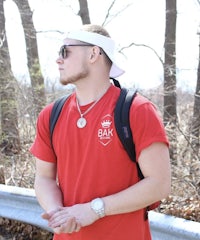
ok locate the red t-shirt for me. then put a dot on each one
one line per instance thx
(91, 161)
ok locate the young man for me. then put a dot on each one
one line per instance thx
(86, 182)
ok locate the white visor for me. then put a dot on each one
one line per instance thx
(106, 43)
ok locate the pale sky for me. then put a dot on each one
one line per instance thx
(143, 22)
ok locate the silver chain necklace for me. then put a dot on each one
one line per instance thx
(81, 122)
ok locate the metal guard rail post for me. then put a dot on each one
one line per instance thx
(21, 204)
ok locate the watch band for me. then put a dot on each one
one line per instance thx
(101, 212)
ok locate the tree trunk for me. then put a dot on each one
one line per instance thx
(37, 80)
(84, 12)
(170, 114)
(2, 176)
(9, 138)
(196, 113)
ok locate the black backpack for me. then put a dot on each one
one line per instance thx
(122, 125)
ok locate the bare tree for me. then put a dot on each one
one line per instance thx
(9, 139)
(84, 12)
(170, 111)
(37, 80)
(196, 112)
(85, 16)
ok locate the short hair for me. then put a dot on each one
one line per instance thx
(99, 30)
(96, 29)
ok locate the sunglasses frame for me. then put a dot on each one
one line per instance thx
(63, 49)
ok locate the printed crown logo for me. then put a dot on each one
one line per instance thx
(106, 123)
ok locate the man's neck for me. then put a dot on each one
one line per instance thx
(90, 93)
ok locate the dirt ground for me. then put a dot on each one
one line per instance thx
(13, 230)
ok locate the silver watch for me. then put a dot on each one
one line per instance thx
(98, 206)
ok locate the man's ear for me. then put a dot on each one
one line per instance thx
(94, 54)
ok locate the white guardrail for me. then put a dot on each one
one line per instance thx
(21, 204)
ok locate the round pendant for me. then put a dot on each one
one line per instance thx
(81, 123)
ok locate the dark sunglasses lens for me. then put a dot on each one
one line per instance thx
(63, 52)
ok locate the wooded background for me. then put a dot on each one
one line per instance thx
(20, 104)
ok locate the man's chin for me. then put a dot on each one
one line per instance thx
(64, 82)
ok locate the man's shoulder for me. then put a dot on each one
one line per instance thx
(47, 109)
(140, 100)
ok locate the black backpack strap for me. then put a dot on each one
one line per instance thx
(116, 82)
(122, 124)
(56, 110)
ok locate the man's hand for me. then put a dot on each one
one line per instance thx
(70, 219)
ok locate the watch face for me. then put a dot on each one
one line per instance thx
(98, 204)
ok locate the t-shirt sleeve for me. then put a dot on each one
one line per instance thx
(146, 124)
(41, 147)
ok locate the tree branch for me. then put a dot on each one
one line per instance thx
(142, 45)
(49, 31)
(109, 17)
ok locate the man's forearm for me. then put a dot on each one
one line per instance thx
(135, 197)
(155, 165)
(48, 193)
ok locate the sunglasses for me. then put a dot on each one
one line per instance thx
(64, 52)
